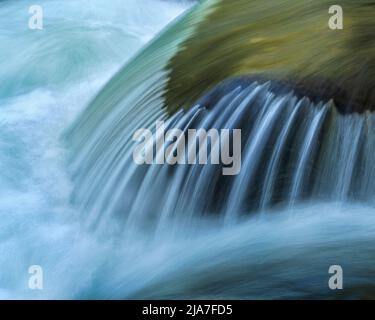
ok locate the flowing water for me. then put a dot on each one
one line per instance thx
(73, 201)
(47, 77)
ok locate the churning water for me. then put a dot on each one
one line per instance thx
(47, 77)
(160, 232)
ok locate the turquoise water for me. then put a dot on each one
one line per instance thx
(47, 78)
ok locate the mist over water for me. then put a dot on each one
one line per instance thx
(48, 77)
(280, 253)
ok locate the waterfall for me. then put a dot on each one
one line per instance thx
(294, 150)
(74, 202)
(293, 204)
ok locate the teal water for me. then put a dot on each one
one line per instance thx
(47, 79)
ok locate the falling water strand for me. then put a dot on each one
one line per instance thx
(282, 147)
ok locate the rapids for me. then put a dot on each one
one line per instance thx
(102, 228)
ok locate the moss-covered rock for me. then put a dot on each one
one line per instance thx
(284, 40)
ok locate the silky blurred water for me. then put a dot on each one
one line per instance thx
(47, 77)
